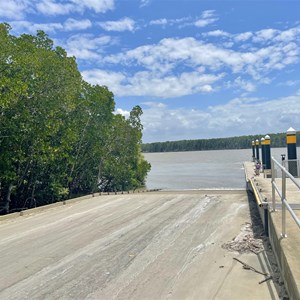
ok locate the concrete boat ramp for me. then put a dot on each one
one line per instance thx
(154, 245)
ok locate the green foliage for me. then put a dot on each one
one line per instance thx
(239, 142)
(125, 168)
(58, 134)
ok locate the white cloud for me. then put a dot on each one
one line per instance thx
(178, 67)
(101, 77)
(21, 26)
(243, 36)
(68, 25)
(151, 84)
(18, 9)
(205, 22)
(244, 85)
(120, 111)
(14, 9)
(125, 24)
(277, 114)
(163, 21)
(171, 53)
(145, 3)
(217, 33)
(87, 46)
(288, 35)
(52, 7)
(99, 6)
(207, 17)
(84, 54)
(207, 14)
(162, 123)
(265, 35)
(155, 104)
(290, 83)
(202, 21)
(241, 116)
(72, 24)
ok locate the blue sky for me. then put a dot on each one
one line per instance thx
(198, 69)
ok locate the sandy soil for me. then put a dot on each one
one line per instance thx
(137, 246)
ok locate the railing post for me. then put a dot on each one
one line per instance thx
(283, 208)
(273, 180)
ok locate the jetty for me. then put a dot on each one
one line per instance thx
(278, 200)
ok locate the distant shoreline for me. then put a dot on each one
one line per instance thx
(229, 143)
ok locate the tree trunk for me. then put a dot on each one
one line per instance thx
(7, 199)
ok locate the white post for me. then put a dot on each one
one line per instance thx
(283, 208)
(273, 182)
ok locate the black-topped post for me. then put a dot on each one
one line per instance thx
(268, 152)
(263, 152)
(257, 149)
(292, 151)
(253, 151)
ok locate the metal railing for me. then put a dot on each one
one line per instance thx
(282, 194)
(293, 166)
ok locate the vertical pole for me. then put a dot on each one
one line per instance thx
(263, 153)
(283, 208)
(268, 152)
(273, 182)
(292, 151)
(257, 149)
(253, 151)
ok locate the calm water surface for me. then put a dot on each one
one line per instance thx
(219, 169)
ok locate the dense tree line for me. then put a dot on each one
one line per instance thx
(59, 137)
(238, 142)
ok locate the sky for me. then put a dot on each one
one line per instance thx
(198, 69)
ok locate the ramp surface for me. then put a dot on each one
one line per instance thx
(162, 245)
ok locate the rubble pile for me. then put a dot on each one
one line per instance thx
(245, 241)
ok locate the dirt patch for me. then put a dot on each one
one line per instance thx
(245, 242)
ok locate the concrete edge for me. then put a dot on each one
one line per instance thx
(69, 201)
(256, 193)
(285, 270)
(253, 188)
(42, 208)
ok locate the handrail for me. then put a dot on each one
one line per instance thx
(283, 169)
(282, 194)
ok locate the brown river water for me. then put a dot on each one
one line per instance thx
(216, 169)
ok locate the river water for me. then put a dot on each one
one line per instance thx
(217, 169)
